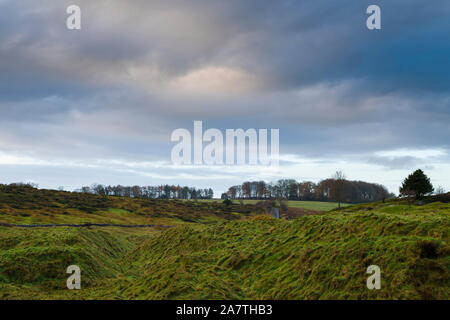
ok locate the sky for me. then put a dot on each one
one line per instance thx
(98, 105)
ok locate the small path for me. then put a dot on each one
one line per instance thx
(84, 225)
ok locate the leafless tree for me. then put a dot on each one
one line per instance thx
(410, 195)
(339, 179)
(440, 190)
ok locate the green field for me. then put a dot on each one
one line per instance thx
(219, 252)
(310, 205)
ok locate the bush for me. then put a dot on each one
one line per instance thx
(227, 202)
(428, 249)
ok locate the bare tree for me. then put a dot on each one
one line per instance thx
(410, 195)
(440, 190)
(384, 193)
(338, 184)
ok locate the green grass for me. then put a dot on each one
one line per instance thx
(316, 205)
(33, 262)
(310, 205)
(215, 252)
(314, 257)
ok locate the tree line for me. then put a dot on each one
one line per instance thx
(333, 189)
(336, 188)
(150, 192)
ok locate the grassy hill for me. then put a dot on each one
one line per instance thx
(243, 255)
(26, 205)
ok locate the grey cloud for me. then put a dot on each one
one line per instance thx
(290, 43)
(407, 162)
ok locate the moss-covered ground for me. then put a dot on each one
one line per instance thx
(216, 252)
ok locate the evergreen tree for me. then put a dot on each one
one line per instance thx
(416, 183)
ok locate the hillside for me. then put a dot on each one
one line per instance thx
(26, 205)
(314, 257)
(248, 256)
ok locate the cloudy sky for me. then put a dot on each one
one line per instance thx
(98, 105)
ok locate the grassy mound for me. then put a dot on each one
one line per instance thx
(315, 257)
(40, 257)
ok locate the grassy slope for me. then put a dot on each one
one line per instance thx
(314, 257)
(22, 205)
(33, 262)
(320, 256)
